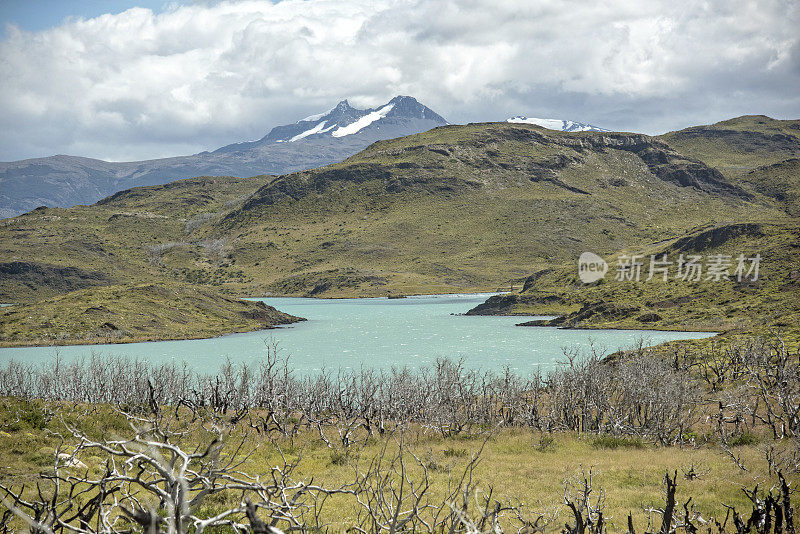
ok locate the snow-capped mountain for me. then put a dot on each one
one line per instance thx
(557, 124)
(63, 181)
(402, 115)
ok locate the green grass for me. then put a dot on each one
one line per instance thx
(489, 212)
(630, 472)
(133, 312)
(766, 307)
(121, 237)
(462, 208)
(738, 146)
(617, 442)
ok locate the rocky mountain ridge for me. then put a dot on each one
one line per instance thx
(64, 181)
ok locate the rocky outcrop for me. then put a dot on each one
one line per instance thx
(530, 282)
(298, 185)
(496, 305)
(394, 178)
(715, 237)
(537, 322)
(50, 277)
(597, 312)
(319, 283)
(505, 304)
(663, 162)
(268, 315)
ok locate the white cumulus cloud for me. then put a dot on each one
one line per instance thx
(139, 84)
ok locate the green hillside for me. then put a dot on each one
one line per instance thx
(458, 208)
(134, 312)
(766, 305)
(736, 147)
(472, 207)
(50, 251)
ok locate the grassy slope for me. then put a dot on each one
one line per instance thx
(758, 154)
(133, 312)
(737, 146)
(71, 271)
(460, 208)
(114, 237)
(511, 463)
(770, 304)
(754, 151)
(457, 208)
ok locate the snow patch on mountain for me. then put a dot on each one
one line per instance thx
(363, 122)
(313, 118)
(315, 130)
(557, 124)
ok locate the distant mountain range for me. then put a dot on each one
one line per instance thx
(63, 181)
(557, 124)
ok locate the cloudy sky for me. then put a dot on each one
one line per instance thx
(152, 79)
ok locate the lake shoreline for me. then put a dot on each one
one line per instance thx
(687, 328)
(133, 341)
(111, 340)
(133, 313)
(323, 314)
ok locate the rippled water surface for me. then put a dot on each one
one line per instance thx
(380, 333)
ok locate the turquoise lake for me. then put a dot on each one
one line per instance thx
(378, 333)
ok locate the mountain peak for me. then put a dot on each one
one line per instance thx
(402, 115)
(408, 107)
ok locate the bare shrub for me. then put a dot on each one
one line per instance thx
(156, 252)
(641, 396)
(197, 221)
